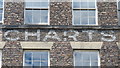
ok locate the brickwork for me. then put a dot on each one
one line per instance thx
(107, 13)
(12, 54)
(61, 54)
(60, 13)
(109, 54)
(14, 12)
(119, 58)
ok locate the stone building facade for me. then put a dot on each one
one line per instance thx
(60, 38)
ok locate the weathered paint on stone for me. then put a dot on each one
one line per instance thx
(46, 35)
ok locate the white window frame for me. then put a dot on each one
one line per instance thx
(48, 23)
(96, 14)
(2, 21)
(88, 50)
(37, 51)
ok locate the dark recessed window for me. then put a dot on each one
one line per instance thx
(84, 12)
(36, 11)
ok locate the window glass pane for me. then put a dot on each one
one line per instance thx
(1, 3)
(119, 5)
(1, 11)
(84, 17)
(0, 17)
(76, 17)
(44, 56)
(44, 4)
(84, 4)
(86, 56)
(119, 16)
(92, 21)
(28, 56)
(78, 56)
(36, 58)
(28, 16)
(36, 16)
(76, 3)
(36, 64)
(36, 4)
(91, 4)
(92, 17)
(89, 58)
(28, 4)
(94, 63)
(94, 56)
(44, 63)
(91, 13)
(28, 59)
(44, 16)
(87, 16)
(86, 63)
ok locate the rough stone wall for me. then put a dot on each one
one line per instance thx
(13, 12)
(119, 58)
(109, 54)
(107, 13)
(12, 54)
(61, 54)
(60, 13)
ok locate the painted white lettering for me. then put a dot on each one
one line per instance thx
(89, 32)
(27, 34)
(74, 37)
(10, 38)
(110, 38)
(53, 35)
